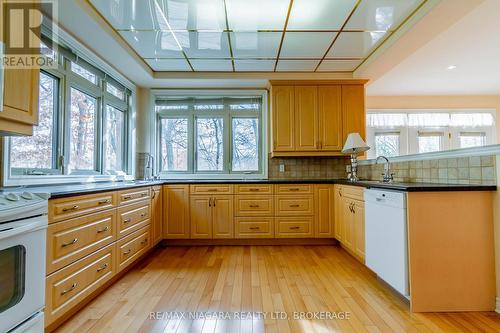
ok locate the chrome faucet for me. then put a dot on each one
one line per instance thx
(388, 177)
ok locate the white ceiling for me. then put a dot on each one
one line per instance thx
(254, 36)
(472, 44)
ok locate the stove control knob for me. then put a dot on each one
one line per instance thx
(12, 197)
(27, 195)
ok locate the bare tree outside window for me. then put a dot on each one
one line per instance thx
(209, 143)
(174, 144)
(35, 152)
(245, 144)
(82, 119)
(114, 124)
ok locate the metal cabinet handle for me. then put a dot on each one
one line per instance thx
(294, 228)
(154, 195)
(294, 189)
(143, 194)
(294, 206)
(254, 228)
(254, 206)
(253, 189)
(127, 221)
(144, 241)
(73, 286)
(214, 201)
(70, 243)
(103, 267)
(127, 197)
(75, 207)
(102, 202)
(212, 190)
(100, 231)
(127, 252)
(210, 202)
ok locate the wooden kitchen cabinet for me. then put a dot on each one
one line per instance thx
(201, 216)
(156, 215)
(338, 211)
(211, 217)
(359, 228)
(313, 118)
(222, 217)
(324, 201)
(176, 220)
(350, 223)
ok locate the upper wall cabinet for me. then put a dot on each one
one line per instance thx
(313, 118)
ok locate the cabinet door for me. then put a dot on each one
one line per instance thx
(324, 211)
(222, 216)
(306, 118)
(201, 216)
(339, 218)
(330, 118)
(156, 216)
(176, 210)
(283, 118)
(348, 227)
(359, 229)
(353, 110)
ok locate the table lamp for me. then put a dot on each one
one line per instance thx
(354, 145)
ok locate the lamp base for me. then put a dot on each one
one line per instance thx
(353, 176)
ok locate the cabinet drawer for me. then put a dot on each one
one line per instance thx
(293, 205)
(65, 208)
(254, 227)
(294, 227)
(254, 205)
(133, 217)
(211, 189)
(297, 188)
(73, 239)
(132, 247)
(130, 196)
(72, 284)
(254, 189)
(353, 192)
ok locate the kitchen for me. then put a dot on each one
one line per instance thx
(227, 165)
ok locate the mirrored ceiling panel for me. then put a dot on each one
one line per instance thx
(338, 65)
(204, 44)
(306, 44)
(192, 14)
(253, 15)
(212, 65)
(381, 14)
(255, 44)
(355, 44)
(170, 65)
(296, 65)
(250, 65)
(154, 44)
(319, 14)
(128, 14)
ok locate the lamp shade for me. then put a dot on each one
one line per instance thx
(354, 144)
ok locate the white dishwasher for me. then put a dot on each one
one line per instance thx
(386, 237)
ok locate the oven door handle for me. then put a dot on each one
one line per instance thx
(6, 231)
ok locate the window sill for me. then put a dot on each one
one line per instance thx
(168, 176)
(58, 179)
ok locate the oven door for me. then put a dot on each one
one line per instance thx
(22, 270)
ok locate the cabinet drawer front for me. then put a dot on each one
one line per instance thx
(254, 189)
(294, 227)
(254, 205)
(69, 286)
(130, 196)
(353, 192)
(133, 217)
(211, 189)
(297, 188)
(251, 227)
(65, 208)
(132, 247)
(73, 239)
(294, 205)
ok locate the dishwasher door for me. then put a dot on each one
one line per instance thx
(386, 237)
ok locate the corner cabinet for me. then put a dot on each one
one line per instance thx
(313, 118)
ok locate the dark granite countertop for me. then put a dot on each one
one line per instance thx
(57, 191)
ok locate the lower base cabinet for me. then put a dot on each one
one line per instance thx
(211, 217)
(132, 247)
(254, 227)
(294, 227)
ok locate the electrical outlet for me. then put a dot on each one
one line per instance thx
(282, 168)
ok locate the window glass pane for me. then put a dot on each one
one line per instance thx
(208, 104)
(36, 152)
(82, 145)
(174, 144)
(386, 120)
(118, 93)
(472, 119)
(86, 74)
(431, 119)
(429, 142)
(12, 276)
(245, 104)
(471, 139)
(245, 144)
(114, 126)
(48, 52)
(387, 144)
(209, 144)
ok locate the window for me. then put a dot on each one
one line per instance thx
(82, 125)
(398, 133)
(210, 134)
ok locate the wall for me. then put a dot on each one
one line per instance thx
(308, 168)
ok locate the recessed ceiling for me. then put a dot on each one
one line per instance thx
(256, 35)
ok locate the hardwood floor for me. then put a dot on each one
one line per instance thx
(238, 279)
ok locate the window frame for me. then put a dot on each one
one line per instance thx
(227, 115)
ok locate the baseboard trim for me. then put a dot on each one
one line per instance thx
(241, 242)
(497, 305)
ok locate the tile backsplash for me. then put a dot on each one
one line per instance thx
(461, 170)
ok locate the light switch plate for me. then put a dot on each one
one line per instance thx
(282, 168)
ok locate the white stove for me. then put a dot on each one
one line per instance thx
(23, 225)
